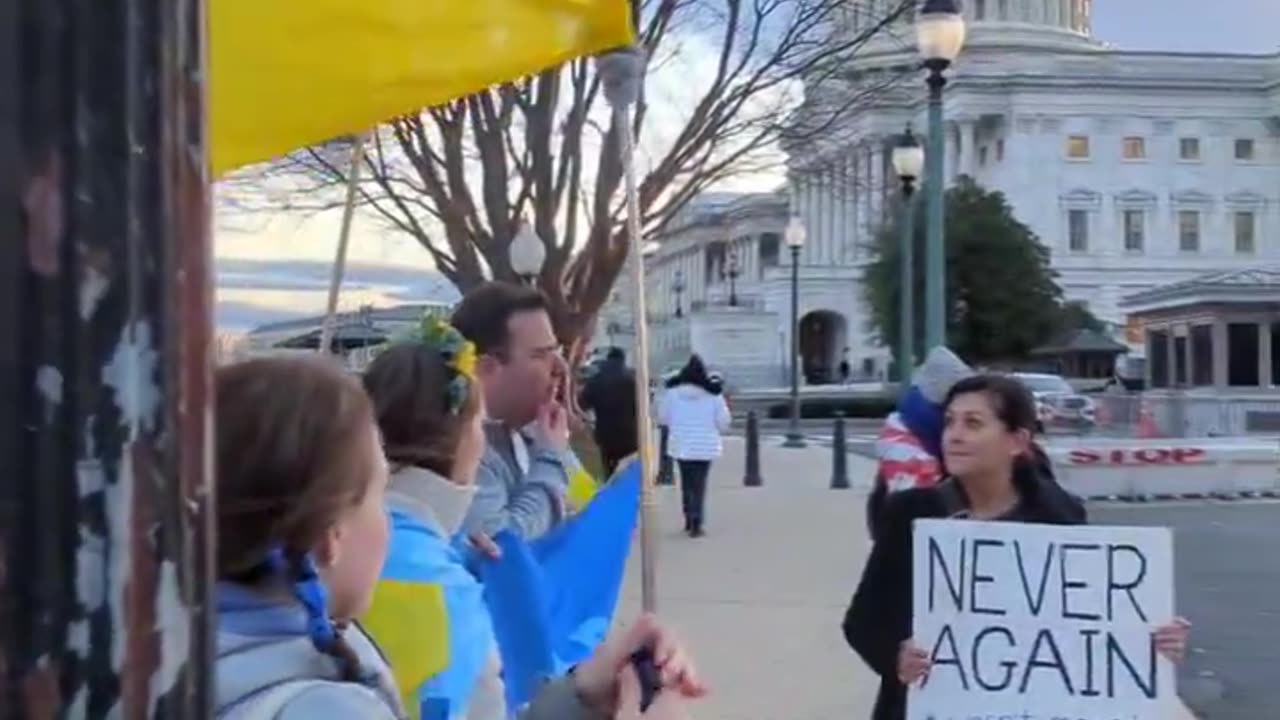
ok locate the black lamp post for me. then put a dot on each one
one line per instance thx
(795, 237)
(940, 34)
(908, 162)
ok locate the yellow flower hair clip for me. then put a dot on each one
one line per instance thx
(459, 355)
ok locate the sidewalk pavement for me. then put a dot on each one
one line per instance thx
(761, 598)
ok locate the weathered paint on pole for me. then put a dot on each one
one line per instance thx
(105, 526)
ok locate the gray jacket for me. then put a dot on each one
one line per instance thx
(267, 669)
(508, 498)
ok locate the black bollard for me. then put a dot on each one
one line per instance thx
(839, 456)
(665, 474)
(751, 478)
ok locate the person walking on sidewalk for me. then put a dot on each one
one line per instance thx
(995, 473)
(695, 410)
(610, 395)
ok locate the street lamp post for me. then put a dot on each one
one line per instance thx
(527, 253)
(678, 288)
(733, 277)
(795, 237)
(940, 34)
(908, 162)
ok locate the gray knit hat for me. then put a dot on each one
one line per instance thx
(941, 370)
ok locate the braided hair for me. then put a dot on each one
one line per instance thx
(292, 459)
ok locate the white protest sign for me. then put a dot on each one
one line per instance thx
(1041, 622)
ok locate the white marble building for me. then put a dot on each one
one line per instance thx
(1137, 169)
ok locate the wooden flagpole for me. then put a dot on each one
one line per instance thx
(344, 240)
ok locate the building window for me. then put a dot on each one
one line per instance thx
(980, 10)
(1078, 147)
(982, 156)
(1135, 148)
(1158, 357)
(1201, 355)
(1134, 230)
(1000, 151)
(1246, 224)
(1078, 230)
(1243, 343)
(1189, 230)
(1004, 9)
(1189, 149)
(1245, 149)
(770, 256)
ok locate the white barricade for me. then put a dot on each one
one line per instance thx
(1164, 468)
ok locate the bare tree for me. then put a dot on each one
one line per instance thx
(459, 178)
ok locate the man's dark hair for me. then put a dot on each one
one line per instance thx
(616, 353)
(482, 315)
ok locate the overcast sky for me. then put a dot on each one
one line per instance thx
(1248, 26)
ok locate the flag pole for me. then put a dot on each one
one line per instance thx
(344, 239)
(622, 73)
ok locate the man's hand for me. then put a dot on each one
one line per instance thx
(596, 680)
(667, 706)
(551, 429)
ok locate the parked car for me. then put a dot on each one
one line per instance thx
(1058, 405)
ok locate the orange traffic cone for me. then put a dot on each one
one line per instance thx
(1147, 427)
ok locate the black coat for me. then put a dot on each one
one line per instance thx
(879, 617)
(611, 395)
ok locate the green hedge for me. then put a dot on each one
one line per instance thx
(864, 408)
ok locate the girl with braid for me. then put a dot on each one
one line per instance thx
(302, 535)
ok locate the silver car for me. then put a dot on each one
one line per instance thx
(1057, 403)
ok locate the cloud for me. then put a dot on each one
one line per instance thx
(241, 317)
(253, 292)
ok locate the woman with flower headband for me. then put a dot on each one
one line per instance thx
(302, 536)
(430, 411)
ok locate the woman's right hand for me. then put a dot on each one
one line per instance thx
(667, 705)
(913, 663)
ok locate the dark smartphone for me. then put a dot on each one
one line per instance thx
(650, 681)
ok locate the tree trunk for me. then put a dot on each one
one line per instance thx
(105, 515)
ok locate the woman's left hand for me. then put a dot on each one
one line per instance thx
(1171, 639)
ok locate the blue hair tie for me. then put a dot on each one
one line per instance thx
(311, 592)
(315, 598)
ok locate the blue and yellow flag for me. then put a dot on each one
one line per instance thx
(285, 74)
(552, 600)
(582, 486)
(430, 619)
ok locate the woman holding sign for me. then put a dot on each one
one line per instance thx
(992, 474)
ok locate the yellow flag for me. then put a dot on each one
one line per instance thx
(285, 74)
(582, 486)
(410, 622)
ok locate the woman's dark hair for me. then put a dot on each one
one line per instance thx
(293, 439)
(694, 372)
(408, 385)
(1015, 407)
(1011, 401)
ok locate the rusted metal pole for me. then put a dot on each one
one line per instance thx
(105, 308)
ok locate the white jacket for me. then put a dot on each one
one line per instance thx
(695, 419)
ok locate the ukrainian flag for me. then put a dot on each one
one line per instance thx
(285, 74)
(552, 600)
(582, 486)
(430, 619)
